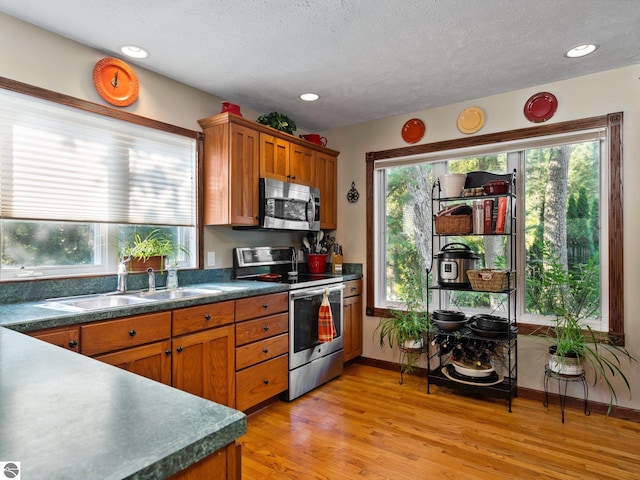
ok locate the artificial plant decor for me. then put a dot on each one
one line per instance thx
(143, 247)
(278, 121)
(575, 299)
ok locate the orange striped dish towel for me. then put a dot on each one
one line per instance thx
(326, 327)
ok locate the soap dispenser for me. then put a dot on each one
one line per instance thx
(172, 276)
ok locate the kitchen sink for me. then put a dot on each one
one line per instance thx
(93, 302)
(175, 294)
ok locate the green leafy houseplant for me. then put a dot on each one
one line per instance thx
(575, 299)
(154, 244)
(278, 121)
(406, 327)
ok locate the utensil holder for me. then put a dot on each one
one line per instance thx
(317, 262)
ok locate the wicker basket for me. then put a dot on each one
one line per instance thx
(488, 280)
(453, 224)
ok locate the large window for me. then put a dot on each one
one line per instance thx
(566, 214)
(74, 182)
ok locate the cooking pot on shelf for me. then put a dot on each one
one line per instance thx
(454, 261)
(491, 322)
(449, 320)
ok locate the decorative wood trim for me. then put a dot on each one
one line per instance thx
(613, 122)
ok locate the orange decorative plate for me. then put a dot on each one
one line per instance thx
(116, 82)
(471, 120)
(413, 130)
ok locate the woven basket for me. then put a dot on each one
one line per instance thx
(488, 280)
(453, 224)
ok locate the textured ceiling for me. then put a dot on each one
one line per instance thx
(367, 59)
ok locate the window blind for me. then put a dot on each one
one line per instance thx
(64, 164)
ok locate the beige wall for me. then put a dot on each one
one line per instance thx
(598, 94)
(34, 56)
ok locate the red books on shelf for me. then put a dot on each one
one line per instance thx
(488, 216)
(501, 215)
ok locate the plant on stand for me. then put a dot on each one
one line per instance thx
(574, 299)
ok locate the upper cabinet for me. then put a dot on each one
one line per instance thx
(237, 152)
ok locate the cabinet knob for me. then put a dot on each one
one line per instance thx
(179, 349)
(167, 352)
(132, 333)
(265, 351)
(293, 178)
(207, 317)
(73, 344)
(265, 381)
(265, 328)
(265, 305)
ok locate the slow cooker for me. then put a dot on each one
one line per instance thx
(454, 261)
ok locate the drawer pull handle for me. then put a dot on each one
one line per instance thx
(265, 381)
(179, 349)
(168, 352)
(207, 317)
(265, 351)
(73, 344)
(265, 305)
(132, 333)
(265, 328)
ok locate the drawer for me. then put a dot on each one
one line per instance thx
(261, 382)
(261, 328)
(65, 337)
(254, 307)
(128, 332)
(257, 352)
(352, 287)
(193, 319)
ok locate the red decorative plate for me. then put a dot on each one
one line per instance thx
(413, 130)
(540, 107)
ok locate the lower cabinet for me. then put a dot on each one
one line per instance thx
(203, 364)
(152, 361)
(352, 320)
(225, 464)
(261, 382)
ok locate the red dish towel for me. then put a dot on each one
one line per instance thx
(326, 328)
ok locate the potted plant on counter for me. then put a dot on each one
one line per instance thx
(575, 345)
(151, 250)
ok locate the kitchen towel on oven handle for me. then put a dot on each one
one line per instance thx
(326, 327)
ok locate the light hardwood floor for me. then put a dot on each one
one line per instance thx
(365, 425)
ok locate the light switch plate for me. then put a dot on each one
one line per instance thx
(211, 259)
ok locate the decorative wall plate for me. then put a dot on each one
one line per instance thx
(116, 82)
(413, 130)
(352, 194)
(471, 120)
(540, 107)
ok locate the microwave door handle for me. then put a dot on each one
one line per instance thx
(312, 211)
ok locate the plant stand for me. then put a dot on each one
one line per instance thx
(405, 353)
(564, 379)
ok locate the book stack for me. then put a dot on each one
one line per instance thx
(489, 215)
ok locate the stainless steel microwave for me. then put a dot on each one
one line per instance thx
(288, 206)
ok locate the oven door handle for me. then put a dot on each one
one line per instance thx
(319, 291)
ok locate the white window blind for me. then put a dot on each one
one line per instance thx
(61, 163)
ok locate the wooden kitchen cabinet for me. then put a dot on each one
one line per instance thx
(274, 158)
(352, 320)
(230, 171)
(151, 361)
(302, 165)
(225, 464)
(326, 180)
(203, 346)
(65, 337)
(262, 345)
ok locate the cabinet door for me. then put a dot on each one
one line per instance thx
(274, 158)
(326, 179)
(352, 319)
(65, 337)
(244, 175)
(203, 364)
(302, 165)
(152, 361)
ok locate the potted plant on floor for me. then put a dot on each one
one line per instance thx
(151, 250)
(406, 327)
(575, 300)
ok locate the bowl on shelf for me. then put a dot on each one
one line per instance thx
(449, 320)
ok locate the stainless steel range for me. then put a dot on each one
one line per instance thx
(311, 363)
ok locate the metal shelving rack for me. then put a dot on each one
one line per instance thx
(504, 357)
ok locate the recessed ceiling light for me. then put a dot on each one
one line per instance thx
(134, 52)
(309, 97)
(581, 50)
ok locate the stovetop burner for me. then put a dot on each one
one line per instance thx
(273, 264)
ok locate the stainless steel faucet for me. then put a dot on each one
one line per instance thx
(152, 279)
(122, 275)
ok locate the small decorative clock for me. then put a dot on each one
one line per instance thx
(116, 81)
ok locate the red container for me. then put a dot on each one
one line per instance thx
(231, 108)
(315, 138)
(317, 262)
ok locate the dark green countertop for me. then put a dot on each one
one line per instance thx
(66, 416)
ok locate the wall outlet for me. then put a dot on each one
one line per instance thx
(211, 259)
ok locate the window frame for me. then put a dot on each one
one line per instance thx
(55, 97)
(612, 122)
